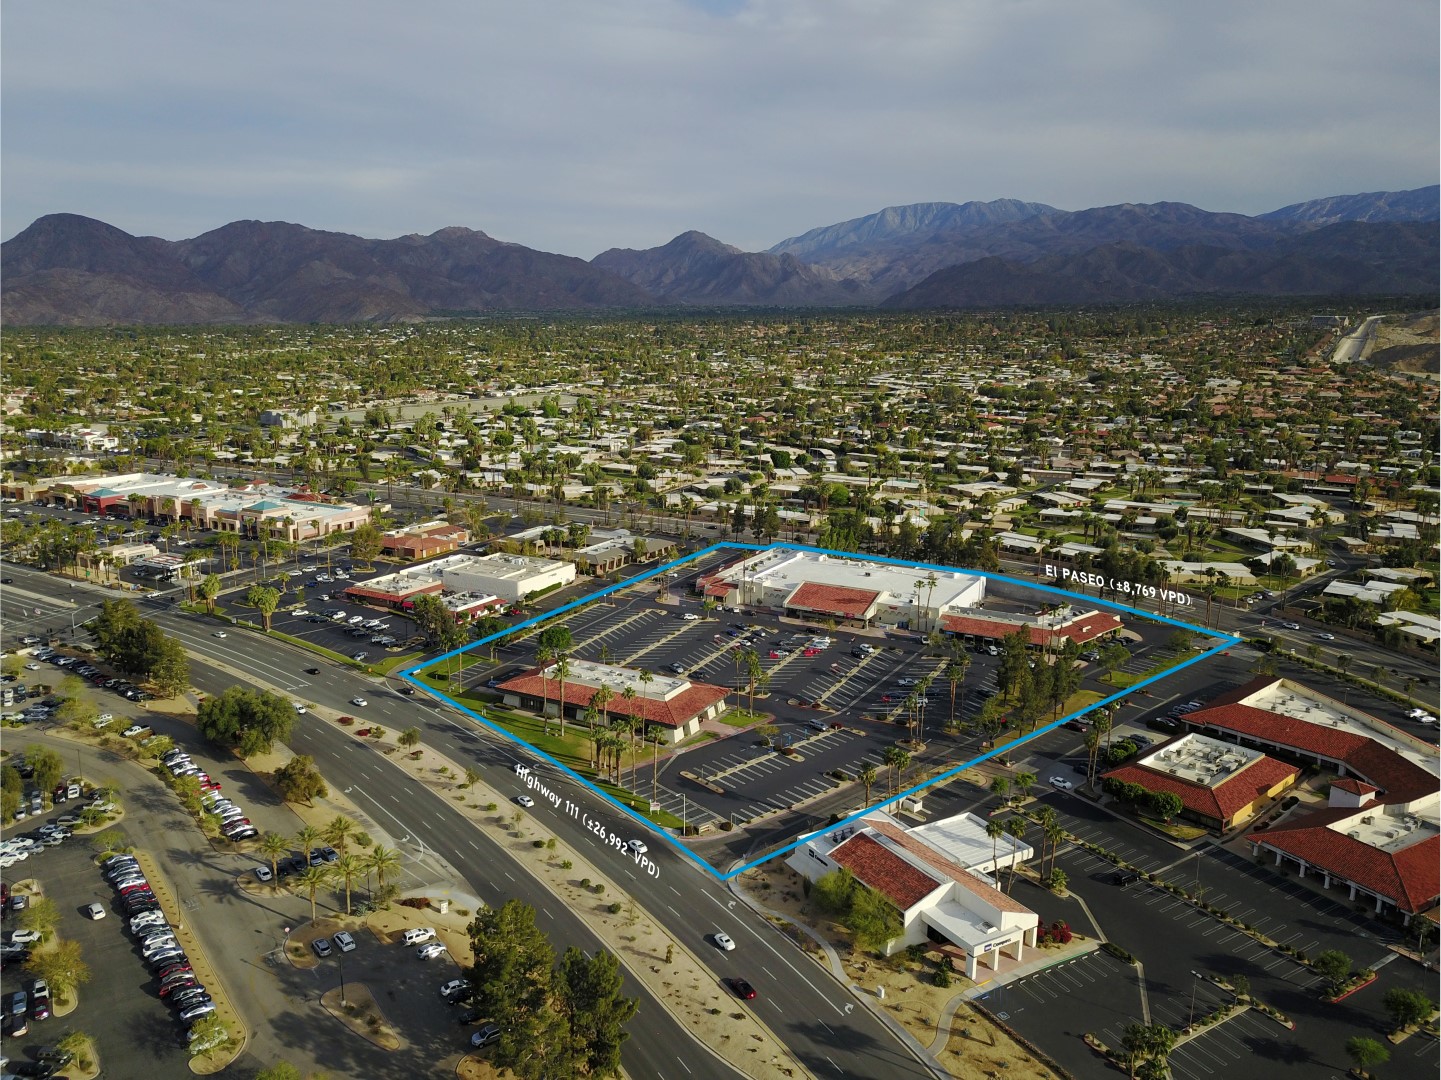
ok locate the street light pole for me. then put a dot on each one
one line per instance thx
(1195, 980)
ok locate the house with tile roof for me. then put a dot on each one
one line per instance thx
(671, 707)
(938, 877)
(1379, 836)
(1221, 785)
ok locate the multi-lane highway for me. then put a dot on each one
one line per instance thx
(823, 1025)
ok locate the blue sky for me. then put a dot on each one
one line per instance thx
(577, 125)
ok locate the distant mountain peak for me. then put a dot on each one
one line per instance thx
(1418, 204)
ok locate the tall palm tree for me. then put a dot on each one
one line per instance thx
(313, 878)
(601, 700)
(995, 830)
(1016, 827)
(892, 758)
(562, 672)
(956, 669)
(307, 836)
(868, 778)
(273, 846)
(348, 868)
(382, 861)
(339, 831)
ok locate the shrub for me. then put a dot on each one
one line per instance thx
(615, 908)
(537, 843)
(565, 864)
(585, 883)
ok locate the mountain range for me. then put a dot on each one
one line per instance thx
(75, 271)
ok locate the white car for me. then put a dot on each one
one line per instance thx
(96, 911)
(103, 719)
(724, 942)
(691, 616)
(25, 937)
(637, 846)
(1426, 718)
(132, 731)
(299, 708)
(430, 951)
(525, 801)
(219, 633)
(1060, 782)
(359, 702)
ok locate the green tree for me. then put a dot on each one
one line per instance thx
(273, 846)
(512, 970)
(1366, 1053)
(265, 600)
(872, 919)
(1167, 804)
(409, 738)
(867, 777)
(588, 998)
(1334, 966)
(382, 861)
(298, 780)
(281, 1070)
(49, 766)
(42, 917)
(340, 831)
(209, 590)
(437, 622)
(62, 966)
(245, 721)
(1407, 1007)
(314, 878)
(348, 868)
(365, 544)
(832, 892)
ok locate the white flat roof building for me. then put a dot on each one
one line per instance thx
(511, 577)
(815, 583)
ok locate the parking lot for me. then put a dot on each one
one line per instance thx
(119, 1008)
(837, 696)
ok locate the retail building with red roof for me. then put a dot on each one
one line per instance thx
(1379, 837)
(672, 707)
(1220, 785)
(932, 875)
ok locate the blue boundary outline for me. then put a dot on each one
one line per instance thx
(1226, 641)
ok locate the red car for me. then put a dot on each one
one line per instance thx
(742, 989)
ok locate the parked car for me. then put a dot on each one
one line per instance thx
(322, 947)
(429, 951)
(345, 941)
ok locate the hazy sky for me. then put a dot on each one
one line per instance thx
(577, 125)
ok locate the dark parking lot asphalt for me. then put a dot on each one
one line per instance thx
(133, 1029)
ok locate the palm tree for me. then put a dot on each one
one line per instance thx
(313, 878)
(562, 672)
(339, 831)
(382, 861)
(1016, 827)
(868, 778)
(892, 758)
(307, 836)
(995, 830)
(1045, 818)
(601, 701)
(955, 673)
(273, 846)
(348, 868)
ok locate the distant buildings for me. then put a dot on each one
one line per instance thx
(855, 592)
(254, 510)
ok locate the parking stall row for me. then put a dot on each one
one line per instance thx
(176, 982)
(233, 822)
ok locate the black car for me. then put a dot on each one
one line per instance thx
(470, 1016)
(312, 671)
(32, 1068)
(1125, 877)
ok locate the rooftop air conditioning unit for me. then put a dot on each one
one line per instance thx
(1367, 820)
(1354, 834)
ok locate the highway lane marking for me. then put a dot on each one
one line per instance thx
(507, 874)
(783, 960)
(834, 1065)
(683, 1065)
(473, 844)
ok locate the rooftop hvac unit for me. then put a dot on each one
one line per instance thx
(1390, 834)
(1367, 820)
(1354, 834)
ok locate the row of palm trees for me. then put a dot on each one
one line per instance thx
(345, 870)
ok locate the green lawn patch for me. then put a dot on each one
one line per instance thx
(391, 663)
(1175, 829)
(739, 718)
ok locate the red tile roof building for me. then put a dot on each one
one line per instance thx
(834, 600)
(676, 706)
(1083, 628)
(1234, 801)
(1389, 802)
